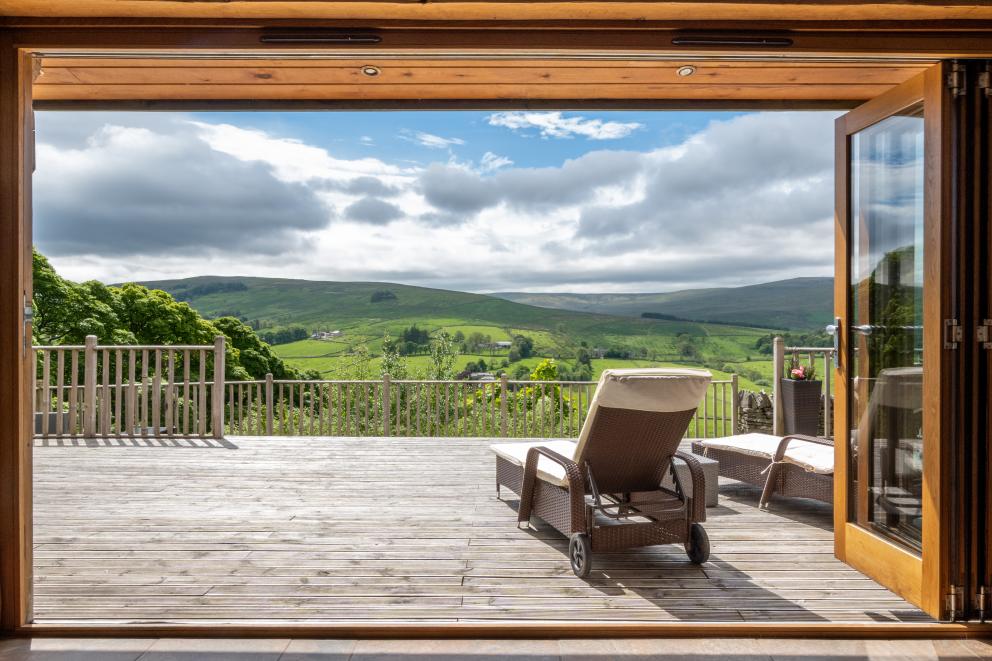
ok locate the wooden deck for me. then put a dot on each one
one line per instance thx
(345, 529)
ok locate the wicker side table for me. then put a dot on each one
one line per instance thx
(711, 470)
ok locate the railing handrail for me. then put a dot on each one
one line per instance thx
(809, 349)
(124, 347)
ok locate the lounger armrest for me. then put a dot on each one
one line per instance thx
(576, 486)
(698, 513)
(784, 443)
(562, 460)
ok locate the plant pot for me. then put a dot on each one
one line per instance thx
(801, 406)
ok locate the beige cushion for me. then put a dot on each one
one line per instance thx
(658, 389)
(810, 456)
(547, 470)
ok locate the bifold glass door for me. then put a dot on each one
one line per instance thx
(890, 294)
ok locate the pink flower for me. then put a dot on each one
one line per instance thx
(799, 373)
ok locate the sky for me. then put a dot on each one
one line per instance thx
(483, 201)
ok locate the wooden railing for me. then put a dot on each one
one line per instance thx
(825, 369)
(503, 408)
(94, 391)
(129, 391)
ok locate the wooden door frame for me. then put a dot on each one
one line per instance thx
(20, 39)
(921, 581)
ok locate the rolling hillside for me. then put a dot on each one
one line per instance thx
(349, 307)
(799, 303)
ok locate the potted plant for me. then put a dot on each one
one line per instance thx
(801, 398)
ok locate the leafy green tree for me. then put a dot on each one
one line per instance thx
(546, 370)
(441, 363)
(66, 312)
(253, 355)
(392, 362)
(523, 345)
(361, 369)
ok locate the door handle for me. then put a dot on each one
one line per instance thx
(834, 329)
(863, 329)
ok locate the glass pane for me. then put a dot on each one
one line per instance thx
(886, 243)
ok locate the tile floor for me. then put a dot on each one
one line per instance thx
(183, 649)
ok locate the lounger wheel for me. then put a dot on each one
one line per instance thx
(580, 554)
(698, 545)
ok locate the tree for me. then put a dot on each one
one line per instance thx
(523, 345)
(253, 355)
(521, 373)
(66, 312)
(441, 364)
(382, 295)
(546, 370)
(361, 369)
(392, 363)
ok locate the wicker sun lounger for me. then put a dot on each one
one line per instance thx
(795, 466)
(604, 492)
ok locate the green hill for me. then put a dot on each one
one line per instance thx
(799, 303)
(349, 307)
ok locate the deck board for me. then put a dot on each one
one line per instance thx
(371, 529)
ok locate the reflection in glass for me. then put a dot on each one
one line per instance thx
(886, 243)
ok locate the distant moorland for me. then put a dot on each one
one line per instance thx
(609, 331)
(798, 304)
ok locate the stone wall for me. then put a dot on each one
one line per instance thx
(757, 413)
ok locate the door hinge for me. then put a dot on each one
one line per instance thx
(985, 80)
(953, 333)
(957, 80)
(954, 599)
(982, 602)
(983, 333)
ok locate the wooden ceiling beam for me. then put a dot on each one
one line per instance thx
(488, 10)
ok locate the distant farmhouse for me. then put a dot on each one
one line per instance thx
(326, 335)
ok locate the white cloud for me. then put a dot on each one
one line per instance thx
(556, 125)
(430, 140)
(491, 161)
(720, 208)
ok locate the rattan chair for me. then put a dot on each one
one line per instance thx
(795, 466)
(604, 492)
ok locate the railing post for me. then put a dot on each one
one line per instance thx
(385, 405)
(269, 404)
(504, 395)
(89, 387)
(735, 405)
(217, 394)
(827, 394)
(778, 369)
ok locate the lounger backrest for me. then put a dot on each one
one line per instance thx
(636, 420)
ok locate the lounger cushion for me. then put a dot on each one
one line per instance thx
(812, 457)
(547, 470)
(655, 389)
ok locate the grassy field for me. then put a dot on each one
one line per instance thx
(359, 311)
(342, 366)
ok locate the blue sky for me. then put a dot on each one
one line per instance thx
(341, 132)
(579, 201)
